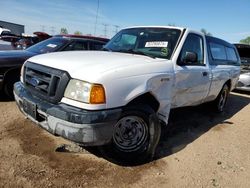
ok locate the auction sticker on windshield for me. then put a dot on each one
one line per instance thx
(154, 44)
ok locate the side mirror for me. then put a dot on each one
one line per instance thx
(190, 57)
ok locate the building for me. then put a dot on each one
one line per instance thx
(16, 29)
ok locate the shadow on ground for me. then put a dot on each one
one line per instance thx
(188, 124)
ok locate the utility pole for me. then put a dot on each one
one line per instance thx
(116, 28)
(105, 29)
(42, 28)
(52, 29)
(96, 18)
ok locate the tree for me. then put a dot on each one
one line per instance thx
(64, 31)
(78, 33)
(205, 32)
(245, 41)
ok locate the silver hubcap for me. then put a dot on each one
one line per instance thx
(222, 100)
(130, 133)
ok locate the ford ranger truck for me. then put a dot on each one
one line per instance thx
(119, 97)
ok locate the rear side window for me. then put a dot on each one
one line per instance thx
(218, 51)
(221, 52)
(231, 55)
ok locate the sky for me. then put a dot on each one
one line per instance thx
(229, 20)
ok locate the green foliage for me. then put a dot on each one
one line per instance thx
(64, 31)
(245, 41)
(205, 32)
(78, 33)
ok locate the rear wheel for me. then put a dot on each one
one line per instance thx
(221, 99)
(135, 136)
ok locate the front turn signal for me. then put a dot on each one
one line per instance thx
(97, 94)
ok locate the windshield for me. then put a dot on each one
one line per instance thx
(49, 45)
(153, 42)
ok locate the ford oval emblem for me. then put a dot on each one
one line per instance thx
(34, 82)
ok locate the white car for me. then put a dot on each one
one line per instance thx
(119, 97)
(4, 31)
(244, 80)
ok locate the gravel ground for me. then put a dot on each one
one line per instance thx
(198, 149)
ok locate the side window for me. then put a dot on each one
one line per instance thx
(218, 51)
(231, 55)
(97, 46)
(194, 44)
(77, 45)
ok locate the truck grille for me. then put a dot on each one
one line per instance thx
(45, 82)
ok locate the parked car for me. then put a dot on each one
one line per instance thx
(4, 31)
(27, 41)
(5, 45)
(244, 80)
(7, 39)
(11, 61)
(118, 97)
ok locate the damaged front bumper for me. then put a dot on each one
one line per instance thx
(89, 128)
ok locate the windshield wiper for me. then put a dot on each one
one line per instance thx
(132, 51)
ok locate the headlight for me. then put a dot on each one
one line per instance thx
(85, 92)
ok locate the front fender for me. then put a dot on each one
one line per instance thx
(159, 85)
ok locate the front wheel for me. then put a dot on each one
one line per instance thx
(135, 136)
(131, 133)
(8, 89)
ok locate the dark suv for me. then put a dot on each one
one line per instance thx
(12, 61)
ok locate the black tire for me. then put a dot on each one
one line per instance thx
(8, 89)
(221, 100)
(135, 136)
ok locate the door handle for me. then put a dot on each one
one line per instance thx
(204, 73)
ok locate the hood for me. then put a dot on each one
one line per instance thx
(90, 65)
(14, 57)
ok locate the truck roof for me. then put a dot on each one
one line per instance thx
(218, 40)
(155, 26)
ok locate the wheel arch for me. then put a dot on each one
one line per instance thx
(12, 73)
(229, 83)
(146, 99)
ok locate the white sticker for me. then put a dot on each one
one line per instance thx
(52, 45)
(154, 44)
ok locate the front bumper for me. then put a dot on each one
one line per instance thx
(244, 82)
(89, 128)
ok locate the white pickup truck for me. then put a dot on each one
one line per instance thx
(122, 95)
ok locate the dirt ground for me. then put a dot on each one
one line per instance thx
(198, 149)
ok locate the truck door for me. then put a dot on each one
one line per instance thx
(192, 73)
